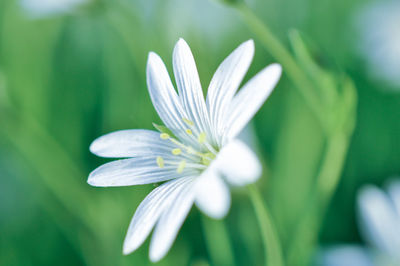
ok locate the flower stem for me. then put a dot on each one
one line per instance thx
(272, 246)
(218, 242)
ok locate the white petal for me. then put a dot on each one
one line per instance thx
(148, 212)
(238, 164)
(131, 143)
(379, 221)
(171, 221)
(189, 87)
(344, 255)
(394, 193)
(44, 8)
(134, 171)
(212, 194)
(249, 99)
(226, 81)
(165, 99)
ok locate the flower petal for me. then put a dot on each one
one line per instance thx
(238, 164)
(131, 143)
(171, 221)
(134, 171)
(394, 193)
(249, 99)
(344, 255)
(189, 87)
(148, 212)
(379, 223)
(226, 81)
(165, 99)
(212, 195)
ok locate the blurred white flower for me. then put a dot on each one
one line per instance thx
(43, 8)
(379, 25)
(197, 153)
(379, 213)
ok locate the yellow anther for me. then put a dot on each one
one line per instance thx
(164, 136)
(176, 151)
(160, 162)
(189, 132)
(187, 121)
(181, 166)
(202, 137)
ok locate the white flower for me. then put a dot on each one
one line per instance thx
(43, 8)
(380, 227)
(199, 156)
(379, 25)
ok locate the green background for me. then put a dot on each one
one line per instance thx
(67, 79)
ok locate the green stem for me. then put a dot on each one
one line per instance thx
(218, 242)
(332, 167)
(328, 178)
(272, 246)
(283, 56)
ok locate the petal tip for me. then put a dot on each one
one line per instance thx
(181, 41)
(219, 214)
(155, 256)
(249, 43)
(152, 56)
(181, 46)
(367, 193)
(276, 68)
(93, 179)
(93, 147)
(127, 248)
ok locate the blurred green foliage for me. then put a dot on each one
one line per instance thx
(66, 79)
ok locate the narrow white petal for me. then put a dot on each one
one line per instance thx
(148, 212)
(164, 98)
(133, 171)
(189, 87)
(226, 81)
(171, 221)
(238, 164)
(131, 143)
(344, 255)
(212, 195)
(379, 221)
(249, 99)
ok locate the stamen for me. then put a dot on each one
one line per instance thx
(202, 137)
(181, 166)
(176, 151)
(160, 162)
(177, 143)
(163, 129)
(164, 136)
(188, 122)
(189, 152)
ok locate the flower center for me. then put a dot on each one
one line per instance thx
(189, 156)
